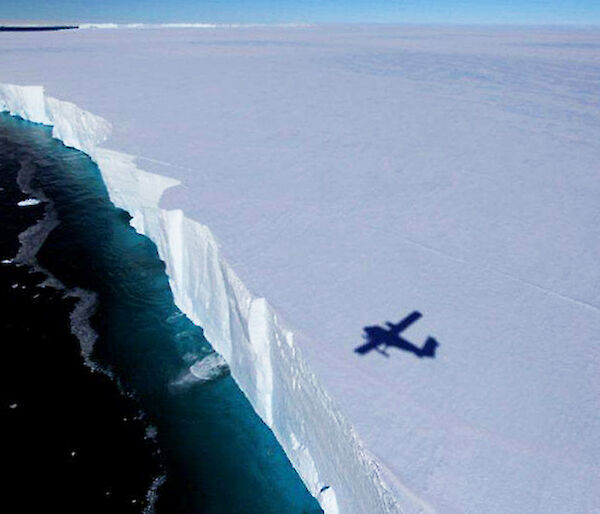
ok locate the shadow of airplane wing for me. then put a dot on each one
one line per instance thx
(375, 336)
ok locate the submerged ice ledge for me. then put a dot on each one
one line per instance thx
(262, 353)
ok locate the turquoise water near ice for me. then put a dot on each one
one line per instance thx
(215, 452)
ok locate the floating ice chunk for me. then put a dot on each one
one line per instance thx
(174, 317)
(151, 432)
(29, 202)
(211, 367)
(152, 494)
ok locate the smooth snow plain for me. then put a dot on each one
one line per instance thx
(302, 183)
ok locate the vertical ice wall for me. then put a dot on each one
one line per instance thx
(263, 355)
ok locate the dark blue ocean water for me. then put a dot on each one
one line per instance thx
(95, 414)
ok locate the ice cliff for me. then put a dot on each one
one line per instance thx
(261, 352)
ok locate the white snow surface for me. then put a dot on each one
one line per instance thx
(328, 178)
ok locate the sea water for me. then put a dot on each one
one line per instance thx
(100, 408)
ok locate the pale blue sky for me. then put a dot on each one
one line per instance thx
(270, 11)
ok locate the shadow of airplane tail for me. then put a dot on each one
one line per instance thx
(429, 348)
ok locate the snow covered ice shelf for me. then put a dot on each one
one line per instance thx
(351, 175)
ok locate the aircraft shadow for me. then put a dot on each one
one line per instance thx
(381, 338)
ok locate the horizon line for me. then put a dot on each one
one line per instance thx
(291, 24)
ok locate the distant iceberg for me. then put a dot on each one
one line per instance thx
(103, 26)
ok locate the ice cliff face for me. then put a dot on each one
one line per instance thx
(262, 354)
(73, 126)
